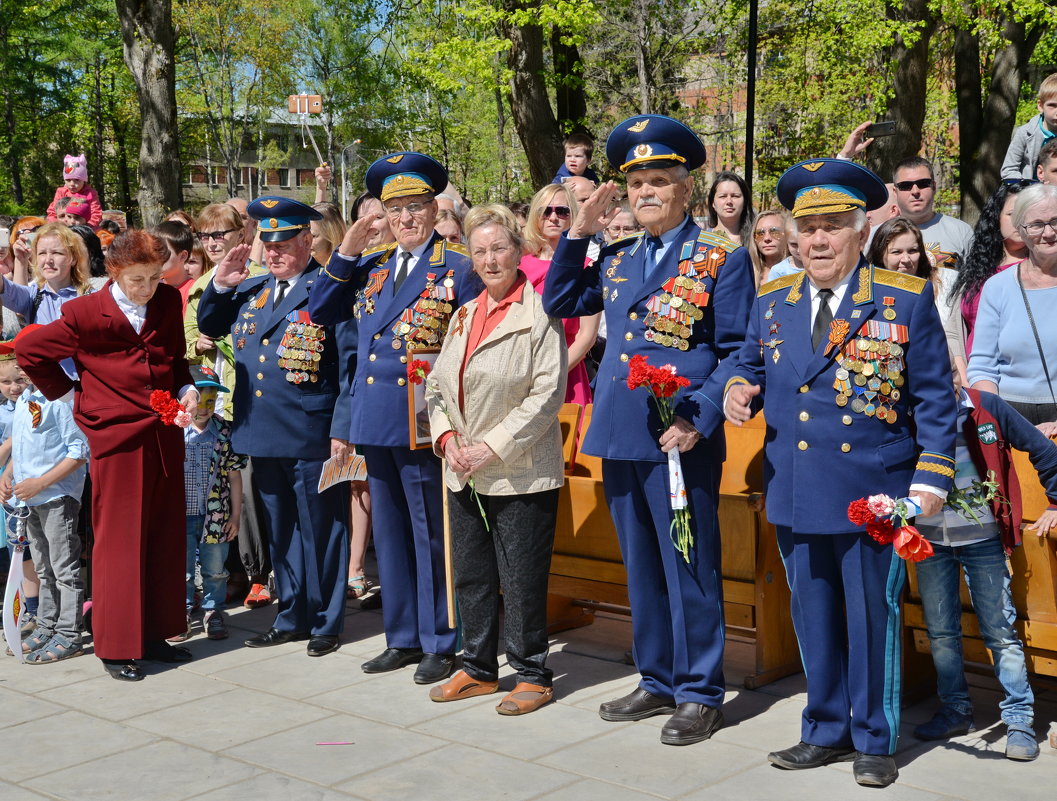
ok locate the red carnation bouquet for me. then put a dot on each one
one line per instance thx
(417, 373)
(880, 514)
(663, 384)
(170, 410)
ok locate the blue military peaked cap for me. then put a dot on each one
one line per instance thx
(649, 141)
(404, 174)
(829, 186)
(281, 218)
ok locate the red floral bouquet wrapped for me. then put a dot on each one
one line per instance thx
(170, 410)
(417, 373)
(663, 384)
(880, 514)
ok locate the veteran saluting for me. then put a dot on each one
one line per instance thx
(680, 296)
(286, 390)
(402, 296)
(851, 362)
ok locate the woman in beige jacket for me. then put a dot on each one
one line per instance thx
(494, 395)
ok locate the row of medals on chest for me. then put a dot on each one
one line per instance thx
(300, 352)
(869, 378)
(673, 329)
(429, 314)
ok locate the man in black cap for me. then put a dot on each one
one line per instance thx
(285, 420)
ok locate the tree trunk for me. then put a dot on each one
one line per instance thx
(14, 165)
(148, 44)
(642, 56)
(500, 116)
(570, 97)
(98, 175)
(907, 104)
(123, 184)
(986, 126)
(530, 106)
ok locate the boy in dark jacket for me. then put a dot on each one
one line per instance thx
(987, 429)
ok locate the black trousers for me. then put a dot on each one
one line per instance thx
(516, 554)
(1036, 413)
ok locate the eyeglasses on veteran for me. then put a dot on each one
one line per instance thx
(414, 209)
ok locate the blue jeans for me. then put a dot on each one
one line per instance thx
(987, 575)
(211, 557)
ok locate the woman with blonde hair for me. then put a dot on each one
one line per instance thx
(550, 214)
(326, 233)
(768, 246)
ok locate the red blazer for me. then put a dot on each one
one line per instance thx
(118, 368)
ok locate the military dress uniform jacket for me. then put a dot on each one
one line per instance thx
(873, 415)
(700, 276)
(286, 399)
(361, 289)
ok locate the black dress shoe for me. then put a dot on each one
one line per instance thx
(636, 705)
(372, 600)
(875, 770)
(691, 724)
(392, 659)
(434, 667)
(161, 651)
(805, 755)
(322, 644)
(123, 669)
(274, 637)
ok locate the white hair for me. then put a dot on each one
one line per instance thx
(458, 205)
(1029, 198)
(860, 219)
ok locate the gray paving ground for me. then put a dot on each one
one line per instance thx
(238, 723)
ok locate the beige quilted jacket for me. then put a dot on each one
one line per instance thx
(514, 385)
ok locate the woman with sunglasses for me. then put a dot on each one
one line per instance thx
(768, 245)
(1015, 349)
(550, 215)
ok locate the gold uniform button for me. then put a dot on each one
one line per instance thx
(804, 417)
(377, 336)
(264, 341)
(802, 445)
(401, 381)
(845, 447)
(803, 388)
(403, 360)
(629, 336)
(846, 419)
(372, 357)
(260, 376)
(370, 379)
(258, 393)
(633, 316)
(623, 357)
(262, 359)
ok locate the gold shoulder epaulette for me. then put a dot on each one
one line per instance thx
(389, 246)
(718, 241)
(778, 283)
(458, 248)
(909, 283)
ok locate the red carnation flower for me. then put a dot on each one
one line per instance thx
(882, 531)
(859, 512)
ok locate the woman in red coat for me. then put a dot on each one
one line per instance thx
(126, 341)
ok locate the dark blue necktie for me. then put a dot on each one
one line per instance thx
(653, 245)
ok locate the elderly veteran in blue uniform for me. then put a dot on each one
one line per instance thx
(680, 296)
(403, 295)
(852, 366)
(286, 391)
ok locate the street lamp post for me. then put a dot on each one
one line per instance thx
(344, 177)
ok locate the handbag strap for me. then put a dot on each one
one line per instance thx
(1035, 331)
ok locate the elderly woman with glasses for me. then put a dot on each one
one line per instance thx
(493, 398)
(550, 215)
(1014, 352)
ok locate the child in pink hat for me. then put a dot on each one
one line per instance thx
(75, 185)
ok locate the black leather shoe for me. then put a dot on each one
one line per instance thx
(805, 755)
(322, 644)
(691, 724)
(875, 770)
(161, 651)
(434, 667)
(392, 659)
(123, 670)
(274, 637)
(636, 705)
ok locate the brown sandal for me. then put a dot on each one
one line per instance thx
(517, 704)
(462, 685)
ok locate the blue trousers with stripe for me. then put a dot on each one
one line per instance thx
(845, 606)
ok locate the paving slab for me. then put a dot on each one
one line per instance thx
(294, 674)
(20, 707)
(273, 787)
(592, 790)
(459, 772)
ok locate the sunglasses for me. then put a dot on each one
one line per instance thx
(562, 212)
(216, 235)
(774, 233)
(920, 183)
